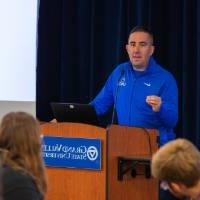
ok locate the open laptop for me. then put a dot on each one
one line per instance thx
(74, 112)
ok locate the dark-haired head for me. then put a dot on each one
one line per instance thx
(142, 29)
(140, 47)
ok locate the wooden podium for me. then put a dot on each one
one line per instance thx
(122, 150)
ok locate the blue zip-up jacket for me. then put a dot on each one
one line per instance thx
(128, 89)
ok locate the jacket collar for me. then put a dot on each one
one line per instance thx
(152, 65)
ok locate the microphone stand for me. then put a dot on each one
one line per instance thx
(115, 100)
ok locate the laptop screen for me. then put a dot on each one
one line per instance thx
(74, 112)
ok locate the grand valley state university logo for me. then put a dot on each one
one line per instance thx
(72, 152)
(92, 153)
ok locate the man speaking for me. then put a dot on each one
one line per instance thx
(142, 92)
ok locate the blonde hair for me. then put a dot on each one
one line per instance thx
(177, 161)
(20, 144)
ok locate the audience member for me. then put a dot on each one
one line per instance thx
(177, 166)
(22, 170)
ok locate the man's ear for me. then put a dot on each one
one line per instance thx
(178, 186)
(177, 189)
(152, 49)
(127, 48)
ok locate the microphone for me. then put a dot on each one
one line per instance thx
(116, 95)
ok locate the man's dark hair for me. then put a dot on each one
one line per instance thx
(142, 29)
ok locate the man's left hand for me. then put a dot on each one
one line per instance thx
(155, 102)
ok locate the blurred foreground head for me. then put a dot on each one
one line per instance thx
(177, 165)
(20, 146)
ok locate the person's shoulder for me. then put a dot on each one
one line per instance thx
(122, 67)
(14, 178)
(164, 73)
(16, 184)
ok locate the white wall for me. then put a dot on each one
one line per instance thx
(18, 34)
(10, 106)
